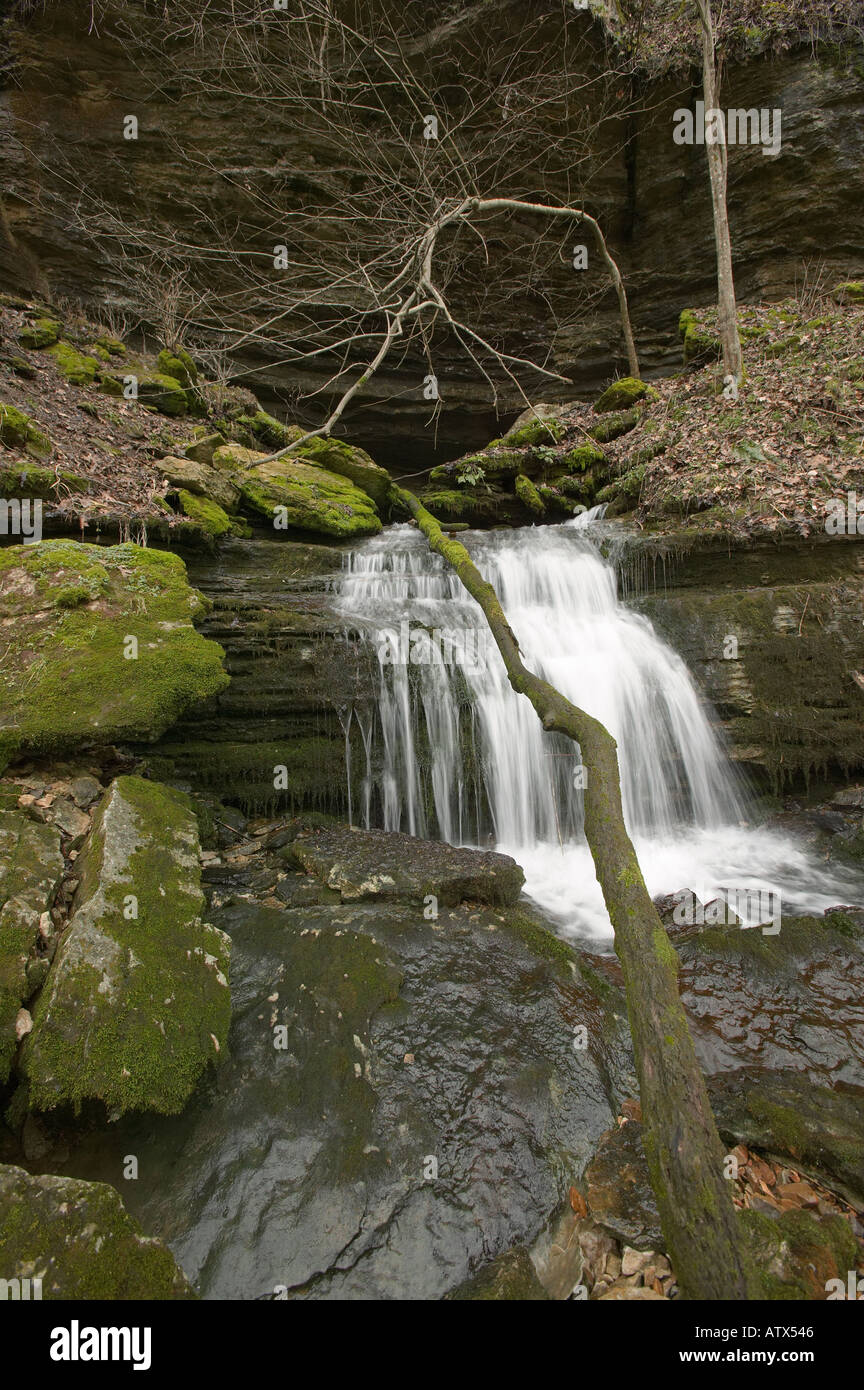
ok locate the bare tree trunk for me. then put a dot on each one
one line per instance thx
(718, 161)
(685, 1156)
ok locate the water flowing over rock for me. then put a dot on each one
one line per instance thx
(452, 750)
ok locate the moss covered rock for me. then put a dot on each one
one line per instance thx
(202, 480)
(700, 344)
(538, 424)
(17, 431)
(235, 458)
(176, 363)
(613, 426)
(207, 515)
(136, 1004)
(386, 865)
(41, 333)
(268, 430)
(348, 461)
(850, 292)
(621, 395)
(115, 347)
(511, 1278)
(795, 1256)
(202, 449)
(529, 496)
(76, 367)
(27, 480)
(292, 494)
(583, 457)
(66, 680)
(165, 393)
(30, 868)
(78, 1239)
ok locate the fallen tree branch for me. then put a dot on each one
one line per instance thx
(682, 1146)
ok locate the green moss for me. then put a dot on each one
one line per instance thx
(613, 426)
(699, 343)
(270, 431)
(529, 496)
(115, 347)
(849, 292)
(309, 499)
(134, 1008)
(348, 461)
(68, 683)
(545, 431)
(79, 1240)
(621, 395)
(539, 939)
(583, 457)
(41, 333)
(17, 431)
(73, 365)
(207, 515)
(164, 393)
(177, 363)
(25, 480)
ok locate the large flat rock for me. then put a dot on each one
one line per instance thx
(385, 864)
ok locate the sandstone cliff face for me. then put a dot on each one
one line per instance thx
(68, 86)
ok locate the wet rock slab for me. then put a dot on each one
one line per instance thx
(400, 1104)
(387, 865)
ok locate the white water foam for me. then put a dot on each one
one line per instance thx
(456, 753)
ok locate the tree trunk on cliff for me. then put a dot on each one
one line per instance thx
(685, 1156)
(718, 163)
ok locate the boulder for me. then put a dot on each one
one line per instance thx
(299, 495)
(529, 496)
(204, 447)
(73, 674)
(202, 480)
(621, 395)
(26, 480)
(211, 520)
(30, 868)
(163, 392)
(402, 1104)
(350, 462)
(17, 431)
(509, 1278)
(77, 367)
(176, 363)
(78, 1240)
(41, 333)
(385, 864)
(618, 1189)
(776, 1026)
(539, 424)
(136, 1004)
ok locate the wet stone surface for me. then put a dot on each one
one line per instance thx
(410, 1048)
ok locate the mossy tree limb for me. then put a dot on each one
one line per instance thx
(683, 1148)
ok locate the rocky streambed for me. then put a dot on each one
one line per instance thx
(256, 1054)
(423, 1092)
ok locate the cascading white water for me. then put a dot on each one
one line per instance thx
(458, 754)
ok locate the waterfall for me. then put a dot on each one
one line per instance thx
(455, 753)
